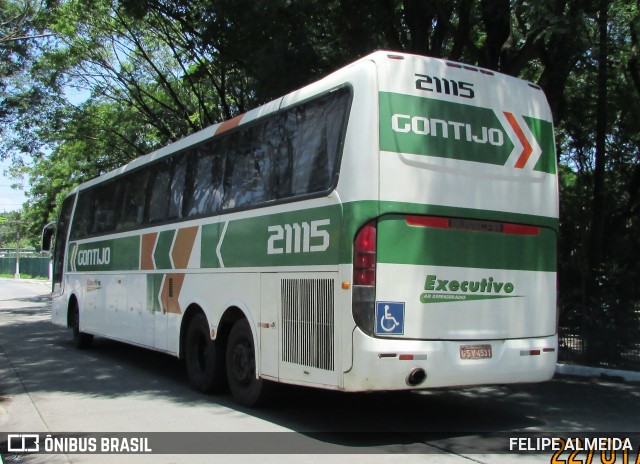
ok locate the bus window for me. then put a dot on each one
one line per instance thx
(245, 175)
(104, 200)
(313, 139)
(133, 200)
(207, 179)
(61, 240)
(158, 197)
(178, 185)
(82, 217)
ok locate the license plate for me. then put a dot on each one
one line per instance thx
(475, 352)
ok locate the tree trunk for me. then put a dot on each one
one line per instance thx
(597, 218)
(594, 315)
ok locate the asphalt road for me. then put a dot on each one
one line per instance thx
(48, 386)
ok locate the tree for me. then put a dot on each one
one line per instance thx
(13, 229)
(599, 146)
(95, 139)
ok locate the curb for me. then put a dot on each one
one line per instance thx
(585, 371)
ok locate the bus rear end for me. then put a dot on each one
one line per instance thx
(455, 278)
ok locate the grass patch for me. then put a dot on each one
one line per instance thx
(23, 276)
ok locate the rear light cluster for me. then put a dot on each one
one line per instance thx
(364, 256)
(474, 225)
(364, 277)
(536, 352)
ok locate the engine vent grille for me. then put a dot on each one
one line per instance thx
(308, 322)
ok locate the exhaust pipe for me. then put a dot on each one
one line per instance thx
(416, 376)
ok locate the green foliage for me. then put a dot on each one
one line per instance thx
(14, 229)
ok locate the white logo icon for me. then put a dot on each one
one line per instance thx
(387, 321)
(23, 443)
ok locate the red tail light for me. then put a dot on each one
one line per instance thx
(473, 225)
(364, 255)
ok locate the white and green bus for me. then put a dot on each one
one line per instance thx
(392, 226)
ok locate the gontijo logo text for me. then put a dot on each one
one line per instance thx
(439, 290)
(94, 257)
(440, 128)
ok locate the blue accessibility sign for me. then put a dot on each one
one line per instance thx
(389, 318)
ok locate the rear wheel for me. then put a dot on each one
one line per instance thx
(245, 387)
(204, 362)
(80, 339)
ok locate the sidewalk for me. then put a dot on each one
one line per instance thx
(41, 281)
(597, 372)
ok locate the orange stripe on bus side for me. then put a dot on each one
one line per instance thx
(228, 125)
(170, 293)
(182, 247)
(527, 149)
(146, 253)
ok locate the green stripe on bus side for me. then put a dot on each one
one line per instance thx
(246, 242)
(400, 243)
(163, 249)
(543, 132)
(208, 243)
(358, 213)
(469, 213)
(154, 286)
(121, 254)
(306, 237)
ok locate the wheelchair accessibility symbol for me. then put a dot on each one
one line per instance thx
(389, 318)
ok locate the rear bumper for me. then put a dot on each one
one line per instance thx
(378, 364)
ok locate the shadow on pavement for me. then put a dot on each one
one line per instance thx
(46, 360)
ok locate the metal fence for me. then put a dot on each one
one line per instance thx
(29, 267)
(604, 347)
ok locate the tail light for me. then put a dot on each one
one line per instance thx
(364, 277)
(472, 225)
(364, 256)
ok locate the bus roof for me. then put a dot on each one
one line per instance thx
(384, 60)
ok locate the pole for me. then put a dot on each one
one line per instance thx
(17, 276)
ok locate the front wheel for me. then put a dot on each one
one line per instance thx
(246, 388)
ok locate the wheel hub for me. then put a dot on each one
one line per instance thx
(242, 363)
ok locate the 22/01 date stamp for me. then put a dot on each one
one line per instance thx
(606, 454)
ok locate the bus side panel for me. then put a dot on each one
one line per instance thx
(215, 293)
(359, 167)
(59, 304)
(358, 187)
(299, 327)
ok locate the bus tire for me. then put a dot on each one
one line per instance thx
(81, 340)
(203, 360)
(246, 388)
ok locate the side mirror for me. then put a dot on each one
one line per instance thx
(47, 235)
